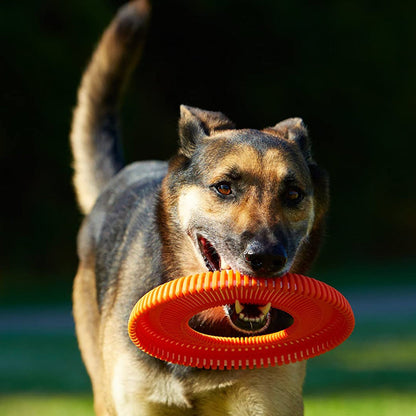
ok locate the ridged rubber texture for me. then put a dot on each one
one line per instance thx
(158, 323)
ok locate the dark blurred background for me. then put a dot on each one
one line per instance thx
(348, 68)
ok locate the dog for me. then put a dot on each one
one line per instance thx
(243, 199)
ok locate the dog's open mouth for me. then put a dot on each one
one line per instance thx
(247, 319)
(209, 254)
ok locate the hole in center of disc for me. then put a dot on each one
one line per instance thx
(241, 320)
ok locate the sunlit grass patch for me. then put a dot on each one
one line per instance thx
(31, 405)
(377, 403)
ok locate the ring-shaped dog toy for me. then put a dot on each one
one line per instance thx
(159, 322)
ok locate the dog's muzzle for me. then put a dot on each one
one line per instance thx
(265, 260)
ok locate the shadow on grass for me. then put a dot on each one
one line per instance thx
(51, 363)
(48, 363)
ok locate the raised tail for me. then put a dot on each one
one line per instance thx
(94, 135)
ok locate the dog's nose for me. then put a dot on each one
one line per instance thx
(265, 260)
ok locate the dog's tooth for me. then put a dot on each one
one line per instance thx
(238, 307)
(265, 309)
(241, 316)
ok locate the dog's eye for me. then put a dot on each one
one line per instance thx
(294, 195)
(223, 188)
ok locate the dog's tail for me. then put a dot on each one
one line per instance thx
(94, 135)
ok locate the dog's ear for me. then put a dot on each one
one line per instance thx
(294, 129)
(196, 124)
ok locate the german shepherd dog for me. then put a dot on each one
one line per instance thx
(250, 200)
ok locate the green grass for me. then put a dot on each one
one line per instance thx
(371, 403)
(373, 373)
(376, 403)
(378, 355)
(29, 405)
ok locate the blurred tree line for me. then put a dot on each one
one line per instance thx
(348, 68)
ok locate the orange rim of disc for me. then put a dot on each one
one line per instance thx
(159, 322)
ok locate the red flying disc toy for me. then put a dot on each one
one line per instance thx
(159, 322)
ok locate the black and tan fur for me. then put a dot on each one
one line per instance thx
(246, 199)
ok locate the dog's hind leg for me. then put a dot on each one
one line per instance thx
(87, 317)
(94, 137)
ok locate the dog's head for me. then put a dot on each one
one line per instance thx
(248, 200)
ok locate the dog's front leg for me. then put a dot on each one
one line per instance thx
(144, 388)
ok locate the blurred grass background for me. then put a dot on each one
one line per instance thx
(348, 68)
(372, 373)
